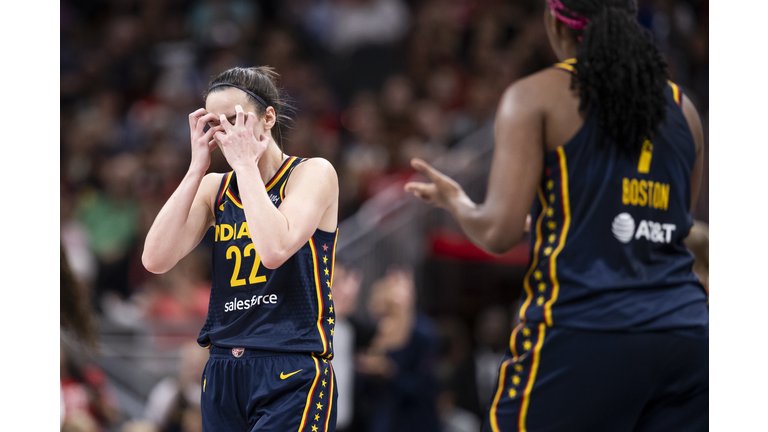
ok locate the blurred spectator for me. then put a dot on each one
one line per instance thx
(173, 404)
(110, 216)
(76, 314)
(346, 286)
(458, 401)
(492, 330)
(86, 398)
(399, 388)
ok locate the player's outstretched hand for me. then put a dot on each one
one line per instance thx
(202, 141)
(238, 142)
(440, 192)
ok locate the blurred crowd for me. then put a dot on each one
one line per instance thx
(373, 83)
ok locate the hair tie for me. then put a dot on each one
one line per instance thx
(575, 21)
(255, 96)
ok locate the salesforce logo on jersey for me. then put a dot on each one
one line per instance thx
(247, 303)
(623, 229)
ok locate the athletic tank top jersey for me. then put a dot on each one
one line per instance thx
(288, 309)
(607, 233)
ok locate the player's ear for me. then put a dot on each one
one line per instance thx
(270, 118)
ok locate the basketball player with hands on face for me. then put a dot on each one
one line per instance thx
(270, 319)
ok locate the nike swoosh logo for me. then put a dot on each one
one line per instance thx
(284, 376)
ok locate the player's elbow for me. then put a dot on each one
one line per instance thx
(153, 263)
(273, 259)
(499, 241)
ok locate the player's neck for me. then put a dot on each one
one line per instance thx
(270, 161)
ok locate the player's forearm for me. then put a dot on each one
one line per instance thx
(483, 226)
(170, 235)
(269, 228)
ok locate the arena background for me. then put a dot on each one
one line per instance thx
(374, 83)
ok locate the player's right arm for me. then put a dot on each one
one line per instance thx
(189, 212)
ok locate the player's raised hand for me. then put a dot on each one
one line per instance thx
(238, 142)
(440, 192)
(202, 141)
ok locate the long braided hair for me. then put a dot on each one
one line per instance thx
(621, 75)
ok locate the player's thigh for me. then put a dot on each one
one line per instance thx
(302, 396)
(682, 403)
(566, 380)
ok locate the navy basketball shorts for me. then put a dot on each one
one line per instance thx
(249, 390)
(562, 379)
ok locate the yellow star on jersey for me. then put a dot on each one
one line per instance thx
(512, 393)
(551, 225)
(330, 309)
(540, 301)
(519, 368)
(324, 383)
(537, 274)
(325, 259)
(330, 297)
(542, 286)
(527, 345)
(326, 271)
(317, 417)
(551, 198)
(326, 371)
(330, 320)
(325, 360)
(314, 428)
(526, 331)
(552, 238)
(331, 331)
(321, 395)
(516, 380)
(547, 250)
(319, 406)
(550, 184)
(550, 212)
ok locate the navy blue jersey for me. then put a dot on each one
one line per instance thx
(607, 231)
(288, 309)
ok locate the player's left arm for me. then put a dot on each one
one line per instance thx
(311, 197)
(311, 193)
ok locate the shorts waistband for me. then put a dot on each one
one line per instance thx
(226, 352)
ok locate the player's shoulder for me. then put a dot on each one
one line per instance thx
(315, 166)
(535, 91)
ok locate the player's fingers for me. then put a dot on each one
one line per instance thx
(212, 144)
(194, 116)
(202, 121)
(219, 136)
(423, 167)
(225, 123)
(250, 118)
(240, 116)
(209, 134)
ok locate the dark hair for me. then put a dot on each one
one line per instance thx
(620, 72)
(261, 80)
(75, 308)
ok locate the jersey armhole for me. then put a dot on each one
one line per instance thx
(288, 177)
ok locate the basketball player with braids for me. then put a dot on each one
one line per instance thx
(270, 318)
(607, 155)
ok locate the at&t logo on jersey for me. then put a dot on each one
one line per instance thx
(623, 229)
